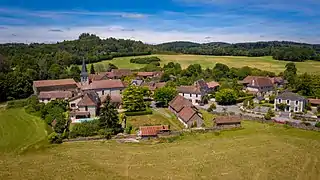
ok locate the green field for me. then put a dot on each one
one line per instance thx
(259, 151)
(19, 130)
(265, 63)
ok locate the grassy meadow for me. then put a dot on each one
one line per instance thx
(258, 151)
(265, 63)
(19, 130)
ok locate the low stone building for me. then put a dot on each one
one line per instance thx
(153, 131)
(55, 85)
(227, 122)
(47, 96)
(186, 112)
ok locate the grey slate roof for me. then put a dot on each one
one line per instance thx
(290, 96)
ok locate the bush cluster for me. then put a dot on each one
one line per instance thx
(146, 60)
(17, 103)
(138, 113)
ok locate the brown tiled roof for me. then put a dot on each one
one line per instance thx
(114, 98)
(179, 102)
(275, 80)
(227, 119)
(104, 84)
(90, 99)
(59, 82)
(189, 89)
(213, 84)
(201, 83)
(153, 86)
(187, 113)
(260, 81)
(144, 74)
(152, 130)
(121, 72)
(55, 95)
(97, 77)
(314, 101)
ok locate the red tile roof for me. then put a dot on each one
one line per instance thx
(257, 81)
(104, 84)
(179, 102)
(55, 95)
(145, 74)
(227, 119)
(152, 130)
(189, 89)
(114, 98)
(213, 84)
(121, 72)
(314, 101)
(187, 113)
(59, 82)
(90, 99)
(97, 77)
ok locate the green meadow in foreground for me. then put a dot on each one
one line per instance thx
(19, 130)
(258, 151)
(264, 63)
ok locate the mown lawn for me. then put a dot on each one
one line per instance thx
(19, 130)
(207, 118)
(259, 151)
(264, 63)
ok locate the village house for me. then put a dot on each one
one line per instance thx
(293, 102)
(153, 131)
(84, 106)
(260, 86)
(226, 122)
(213, 85)
(152, 86)
(118, 73)
(145, 75)
(186, 112)
(192, 93)
(55, 85)
(105, 87)
(47, 96)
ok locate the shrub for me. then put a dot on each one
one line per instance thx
(54, 138)
(17, 103)
(85, 129)
(212, 107)
(267, 116)
(128, 129)
(138, 113)
(226, 97)
(317, 124)
(105, 133)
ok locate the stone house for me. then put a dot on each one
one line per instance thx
(261, 86)
(105, 87)
(186, 112)
(55, 85)
(192, 93)
(294, 102)
(47, 96)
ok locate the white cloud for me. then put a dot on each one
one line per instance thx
(42, 34)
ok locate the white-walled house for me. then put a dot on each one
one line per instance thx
(192, 93)
(262, 86)
(294, 102)
(105, 87)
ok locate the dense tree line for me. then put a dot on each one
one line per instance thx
(283, 50)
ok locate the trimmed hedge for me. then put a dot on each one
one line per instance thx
(145, 60)
(17, 103)
(139, 113)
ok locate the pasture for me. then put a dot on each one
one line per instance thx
(259, 151)
(264, 63)
(19, 130)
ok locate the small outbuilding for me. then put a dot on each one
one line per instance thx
(227, 122)
(153, 131)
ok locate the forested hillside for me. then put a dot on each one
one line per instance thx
(20, 64)
(289, 51)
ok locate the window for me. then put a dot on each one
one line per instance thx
(196, 95)
(190, 95)
(288, 101)
(73, 104)
(297, 102)
(295, 109)
(86, 108)
(279, 100)
(102, 92)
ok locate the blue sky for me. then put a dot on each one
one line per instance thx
(160, 21)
